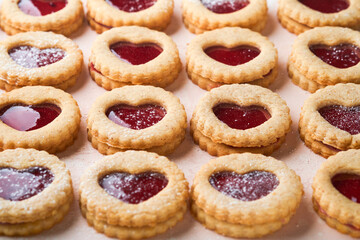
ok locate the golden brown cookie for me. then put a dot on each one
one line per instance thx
(35, 191)
(245, 195)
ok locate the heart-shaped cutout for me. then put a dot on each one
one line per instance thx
(245, 187)
(340, 56)
(30, 117)
(136, 54)
(18, 185)
(344, 118)
(225, 6)
(131, 5)
(232, 56)
(239, 117)
(32, 57)
(133, 188)
(136, 117)
(348, 185)
(41, 7)
(326, 6)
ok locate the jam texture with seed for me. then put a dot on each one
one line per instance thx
(41, 7)
(225, 6)
(232, 56)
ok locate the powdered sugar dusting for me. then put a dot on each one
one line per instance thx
(131, 5)
(224, 6)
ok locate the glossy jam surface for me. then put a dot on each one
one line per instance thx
(32, 57)
(31, 117)
(133, 188)
(135, 54)
(224, 6)
(17, 185)
(232, 56)
(136, 117)
(340, 56)
(241, 118)
(345, 118)
(41, 7)
(247, 187)
(326, 6)
(348, 185)
(131, 5)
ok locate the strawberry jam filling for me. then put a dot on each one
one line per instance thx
(131, 5)
(41, 7)
(241, 118)
(135, 54)
(232, 56)
(18, 185)
(29, 117)
(225, 6)
(32, 57)
(245, 187)
(326, 6)
(136, 117)
(344, 118)
(133, 188)
(340, 56)
(348, 185)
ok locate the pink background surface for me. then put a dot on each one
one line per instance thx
(189, 157)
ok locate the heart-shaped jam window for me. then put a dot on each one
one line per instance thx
(224, 6)
(245, 187)
(340, 56)
(32, 57)
(232, 56)
(348, 185)
(345, 118)
(326, 6)
(239, 117)
(29, 117)
(41, 7)
(18, 185)
(133, 188)
(136, 117)
(131, 5)
(136, 54)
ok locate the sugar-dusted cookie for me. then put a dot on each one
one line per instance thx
(59, 16)
(245, 195)
(133, 195)
(35, 191)
(240, 118)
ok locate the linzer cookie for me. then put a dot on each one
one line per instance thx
(240, 118)
(104, 15)
(231, 55)
(336, 192)
(39, 58)
(44, 118)
(206, 15)
(298, 16)
(133, 195)
(245, 195)
(136, 117)
(59, 16)
(325, 56)
(35, 191)
(329, 119)
(132, 56)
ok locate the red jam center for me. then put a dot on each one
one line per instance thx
(233, 56)
(31, 117)
(136, 117)
(135, 54)
(131, 5)
(326, 6)
(247, 187)
(32, 57)
(340, 56)
(225, 6)
(348, 185)
(41, 7)
(133, 188)
(241, 117)
(17, 185)
(345, 118)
